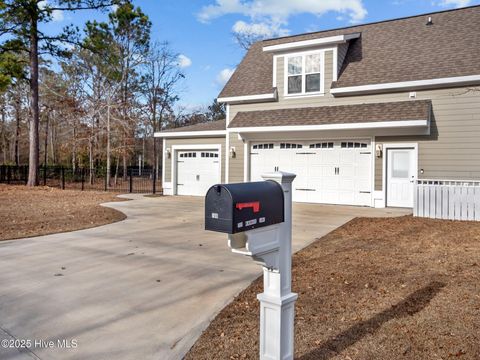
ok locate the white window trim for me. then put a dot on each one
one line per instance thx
(274, 75)
(176, 148)
(335, 63)
(386, 147)
(303, 54)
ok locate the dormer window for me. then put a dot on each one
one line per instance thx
(304, 73)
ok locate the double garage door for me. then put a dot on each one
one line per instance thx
(197, 171)
(330, 172)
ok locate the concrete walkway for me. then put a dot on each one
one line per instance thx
(143, 288)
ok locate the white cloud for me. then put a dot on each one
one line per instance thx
(224, 75)
(279, 11)
(260, 29)
(184, 61)
(455, 3)
(57, 15)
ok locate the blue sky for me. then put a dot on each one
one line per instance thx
(202, 30)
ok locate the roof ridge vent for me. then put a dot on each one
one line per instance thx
(429, 21)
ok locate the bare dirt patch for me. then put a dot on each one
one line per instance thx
(395, 288)
(26, 212)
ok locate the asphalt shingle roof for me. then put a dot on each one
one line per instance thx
(343, 114)
(391, 51)
(206, 126)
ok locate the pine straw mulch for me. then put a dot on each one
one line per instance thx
(394, 288)
(26, 212)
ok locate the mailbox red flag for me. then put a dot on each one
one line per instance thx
(255, 205)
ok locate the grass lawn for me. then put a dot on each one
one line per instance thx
(26, 212)
(394, 288)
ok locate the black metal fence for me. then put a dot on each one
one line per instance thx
(134, 180)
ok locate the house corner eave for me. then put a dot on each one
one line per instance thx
(250, 99)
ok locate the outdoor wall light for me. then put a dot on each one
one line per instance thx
(378, 150)
(169, 153)
(232, 152)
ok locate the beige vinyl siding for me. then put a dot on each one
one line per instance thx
(328, 70)
(280, 77)
(451, 151)
(236, 164)
(192, 141)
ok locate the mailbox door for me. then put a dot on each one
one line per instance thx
(262, 204)
(219, 210)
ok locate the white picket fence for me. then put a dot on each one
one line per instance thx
(447, 199)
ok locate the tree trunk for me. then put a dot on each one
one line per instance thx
(4, 137)
(154, 123)
(45, 161)
(108, 142)
(33, 158)
(74, 149)
(52, 143)
(125, 168)
(116, 170)
(18, 109)
(90, 157)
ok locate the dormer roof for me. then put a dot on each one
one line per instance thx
(393, 51)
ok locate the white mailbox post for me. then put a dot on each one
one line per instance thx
(271, 246)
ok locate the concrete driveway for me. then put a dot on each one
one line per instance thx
(143, 288)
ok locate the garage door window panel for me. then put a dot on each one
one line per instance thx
(290, 146)
(322, 145)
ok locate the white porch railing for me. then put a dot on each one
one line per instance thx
(447, 199)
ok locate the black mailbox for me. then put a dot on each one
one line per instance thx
(233, 208)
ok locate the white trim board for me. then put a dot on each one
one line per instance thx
(366, 125)
(246, 160)
(164, 152)
(249, 98)
(227, 145)
(404, 85)
(339, 39)
(176, 148)
(189, 134)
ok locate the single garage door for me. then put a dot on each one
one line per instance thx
(330, 172)
(197, 171)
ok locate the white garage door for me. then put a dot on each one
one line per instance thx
(330, 172)
(197, 171)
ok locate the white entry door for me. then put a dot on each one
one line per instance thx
(330, 172)
(401, 174)
(197, 171)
